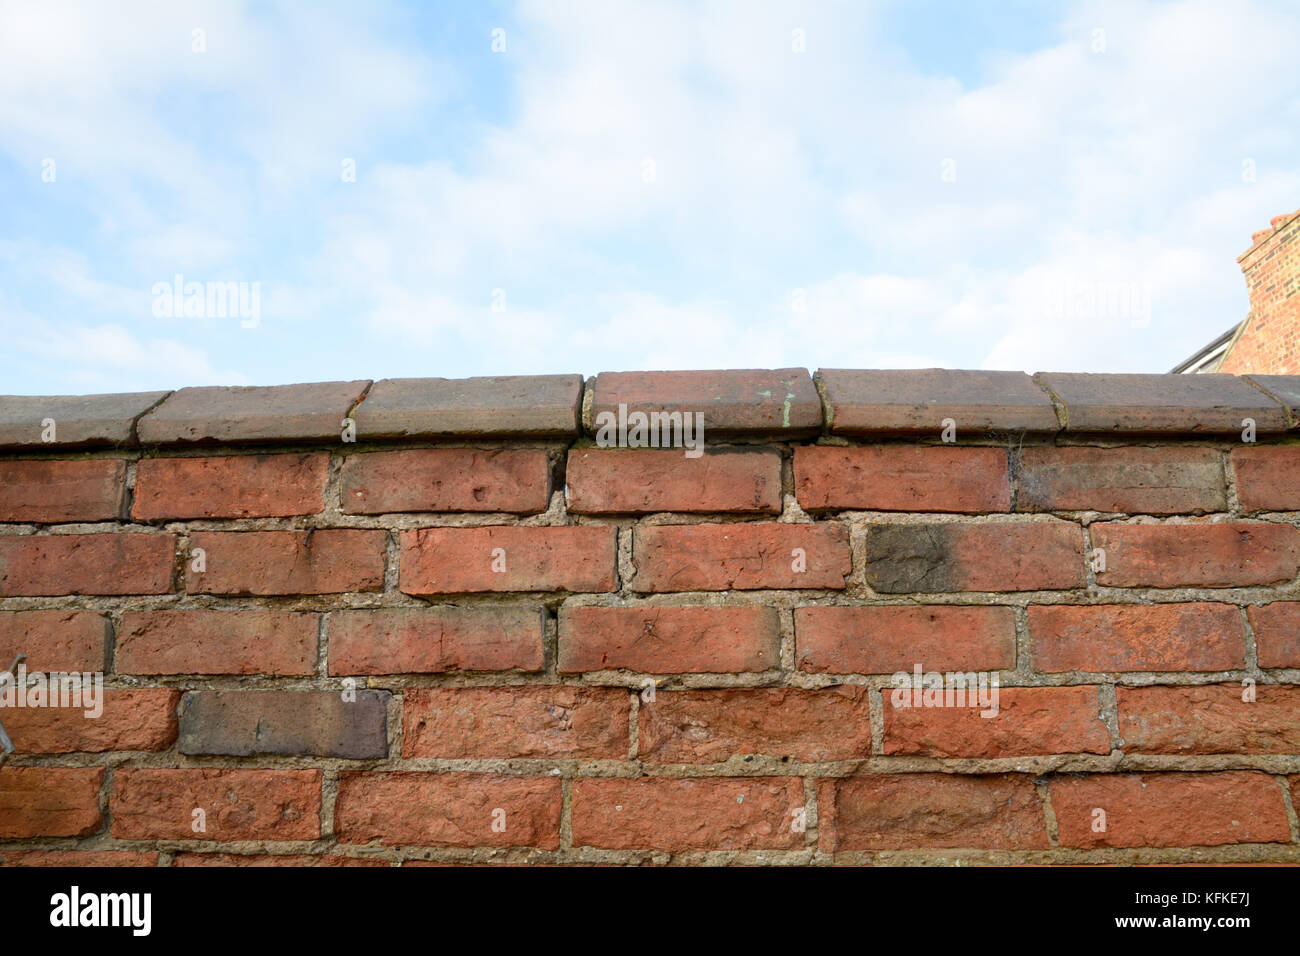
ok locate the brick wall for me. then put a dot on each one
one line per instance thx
(1270, 341)
(434, 621)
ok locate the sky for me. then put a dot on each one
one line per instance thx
(491, 188)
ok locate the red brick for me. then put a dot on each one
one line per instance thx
(1268, 477)
(1277, 633)
(742, 557)
(434, 640)
(244, 486)
(86, 564)
(1205, 404)
(1128, 637)
(885, 640)
(285, 723)
(514, 481)
(902, 401)
(504, 722)
(250, 641)
(50, 801)
(1028, 721)
(239, 804)
(77, 858)
(930, 810)
(48, 492)
(54, 640)
(711, 726)
(1235, 554)
(1170, 809)
(643, 480)
(460, 560)
(134, 719)
(1001, 556)
(1209, 720)
(329, 561)
(1153, 481)
(700, 813)
(902, 478)
(265, 859)
(448, 809)
(669, 640)
(780, 401)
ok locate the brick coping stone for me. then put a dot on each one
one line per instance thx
(771, 404)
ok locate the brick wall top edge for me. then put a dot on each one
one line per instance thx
(259, 413)
(489, 406)
(902, 401)
(779, 403)
(78, 420)
(1162, 404)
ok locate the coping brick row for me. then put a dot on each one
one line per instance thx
(768, 403)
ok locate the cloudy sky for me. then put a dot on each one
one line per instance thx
(454, 189)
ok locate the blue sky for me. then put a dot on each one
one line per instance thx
(632, 185)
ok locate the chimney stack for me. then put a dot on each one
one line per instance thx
(1269, 344)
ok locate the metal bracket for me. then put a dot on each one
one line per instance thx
(7, 745)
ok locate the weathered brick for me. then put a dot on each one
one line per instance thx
(48, 492)
(1169, 809)
(251, 641)
(504, 722)
(1277, 633)
(240, 413)
(780, 401)
(1268, 477)
(266, 859)
(902, 478)
(50, 801)
(487, 406)
(669, 640)
(1152, 481)
(435, 639)
(903, 401)
(329, 561)
(514, 481)
(448, 809)
(1162, 404)
(286, 723)
(77, 858)
(78, 419)
(931, 810)
(86, 564)
(885, 640)
(644, 480)
(240, 486)
(1025, 722)
(1283, 388)
(1127, 637)
(1002, 556)
(462, 560)
(131, 719)
(1209, 720)
(1232, 554)
(711, 726)
(700, 813)
(55, 640)
(238, 804)
(742, 557)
